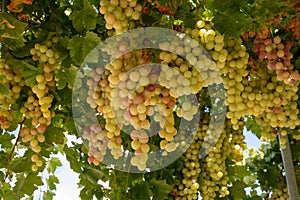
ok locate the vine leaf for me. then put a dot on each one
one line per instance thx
(29, 71)
(53, 164)
(22, 164)
(72, 156)
(11, 29)
(230, 12)
(27, 185)
(6, 139)
(3, 163)
(84, 19)
(141, 191)
(7, 193)
(160, 189)
(92, 175)
(52, 181)
(54, 135)
(252, 126)
(48, 195)
(269, 178)
(4, 90)
(80, 47)
(2, 176)
(66, 77)
(237, 190)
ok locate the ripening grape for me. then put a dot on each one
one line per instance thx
(231, 58)
(97, 143)
(280, 194)
(189, 184)
(13, 81)
(36, 108)
(118, 14)
(276, 53)
(29, 135)
(273, 100)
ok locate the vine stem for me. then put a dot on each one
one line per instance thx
(289, 169)
(12, 151)
(3, 6)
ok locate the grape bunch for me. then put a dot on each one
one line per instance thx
(102, 84)
(278, 57)
(273, 103)
(235, 138)
(37, 107)
(97, 143)
(13, 81)
(48, 60)
(280, 194)
(205, 160)
(135, 98)
(231, 58)
(214, 167)
(34, 136)
(234, 73)
(148, 97)
(118, 15)
(189, 186)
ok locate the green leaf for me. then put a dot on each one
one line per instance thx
(297, 63)
(29, 71)
(54, 135)
(48, 195)
(22, 164)
(4, 90)
(256, 197)
(20, 185)
(66, 76)
(1, 176)
(80, 47)
(11, 30)
(72, 157)
(273, 179)
(160, 189)
(24, 51)
(268, 177)
(86, 193)
(6, 140)
(92, 175)
(229, 11)
(252, 126)
(237, 191)
(61, 79)
(6, 193)
(27, 185)
(52, 181)
(53, 164)
(241, 171)
(3, 159)
(61, 48)
(233, 25)
(84, 19)
(141, 191)
(72, 72)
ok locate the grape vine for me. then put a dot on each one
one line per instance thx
(134, 100)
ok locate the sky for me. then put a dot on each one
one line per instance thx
(67, 188)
